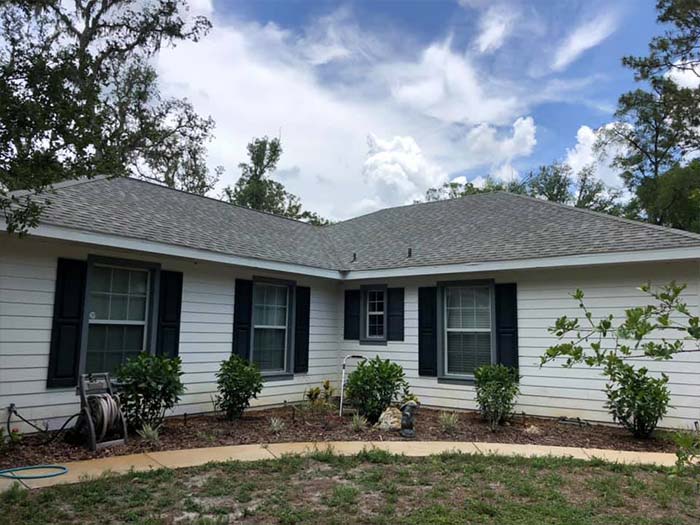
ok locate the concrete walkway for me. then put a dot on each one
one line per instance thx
(84, 470)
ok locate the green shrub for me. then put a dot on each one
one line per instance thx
(359, 423)
(636, 400)
(149, 434)
(238, 382)
(496, 391)
(151, 385)
(374, 385)
(688, 450)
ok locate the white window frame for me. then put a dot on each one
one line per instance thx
(125, 322)
(446, 330)
(369, 314)
(285, 361)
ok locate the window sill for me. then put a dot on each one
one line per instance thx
(457, 380)
(372, 342)
(281, 376)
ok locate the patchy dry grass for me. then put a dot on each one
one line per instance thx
(373, 487)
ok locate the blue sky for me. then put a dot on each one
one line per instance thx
(375, 101)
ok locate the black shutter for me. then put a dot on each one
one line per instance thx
(64, 356)
(507, 324)
(242, 318)
(427, 331)
(169, 309)
(352, 314)
(301, 329)
(395, 310)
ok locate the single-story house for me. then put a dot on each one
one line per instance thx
(119, 266)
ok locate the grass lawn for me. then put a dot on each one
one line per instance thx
(372, 487)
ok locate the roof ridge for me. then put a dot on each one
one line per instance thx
(604, 215)
(62, 184)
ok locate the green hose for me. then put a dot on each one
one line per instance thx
(9, 473)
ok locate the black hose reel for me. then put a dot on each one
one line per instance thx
(101, 422)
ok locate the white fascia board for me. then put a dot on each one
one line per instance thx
(672, 254)
(128, 243)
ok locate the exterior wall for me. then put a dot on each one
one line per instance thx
(542, 297)
(27, 281)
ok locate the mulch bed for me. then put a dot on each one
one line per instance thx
(211, 431)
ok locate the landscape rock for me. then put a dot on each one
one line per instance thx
(390, 419)
(533, 430)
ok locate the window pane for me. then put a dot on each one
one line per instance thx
(117, 310)
(111, 345)
(120, 280)
(101, 279)
(467, 351)
(268, 348)
(375, 326)
(100, 306)
(468, 308)
(137, 309)
(138, 282)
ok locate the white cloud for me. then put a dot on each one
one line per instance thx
(686, 78)
(584, 154)
(433, 109)
(398, 171)
(505, 172)
(495, 25)
(445, 85)
(483, 140)
(583, 38)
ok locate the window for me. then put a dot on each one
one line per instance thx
(119, 300)
(468, 337)
(270, 326)
(375, 314)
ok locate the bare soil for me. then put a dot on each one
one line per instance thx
(314, 425)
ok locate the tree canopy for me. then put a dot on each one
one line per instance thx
(256, 189)
(79, 97)
(555, 182)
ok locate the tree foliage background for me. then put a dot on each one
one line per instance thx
(79, 97)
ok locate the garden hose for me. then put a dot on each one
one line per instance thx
(105, 413)
(11, 473)
(13, 411)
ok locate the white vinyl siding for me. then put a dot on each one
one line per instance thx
(27, 281)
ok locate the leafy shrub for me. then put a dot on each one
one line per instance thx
(328, 391)
(496, 391)
(636, 400)
(151, 385)
(688, 449)
(374, 385)
(359, 423)
(313, 394)
(277, 425)
(238, 382)
(449, 421)
(149, 434)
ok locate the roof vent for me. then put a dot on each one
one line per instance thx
(410, 252)
(354, 256)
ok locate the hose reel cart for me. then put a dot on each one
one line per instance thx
(101, 422)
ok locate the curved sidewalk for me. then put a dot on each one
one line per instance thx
(84, 470)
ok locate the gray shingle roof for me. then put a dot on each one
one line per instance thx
(477, 228)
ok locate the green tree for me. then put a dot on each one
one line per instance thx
(675, 197)
(79, 97)
(256, 190)
(656, 127)
(556, 182)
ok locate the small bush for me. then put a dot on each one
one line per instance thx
(149, 434)
(277, 425)
(496, 391)
(313, 395)
(449, 421)
(688, 450)
(151, 385)
(636, 400)
(359, 423)
(238, 382)
(328, 391)
(374, 385)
